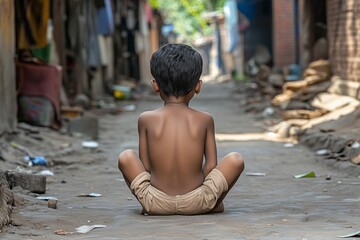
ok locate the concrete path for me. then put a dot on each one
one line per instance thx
(274, 206)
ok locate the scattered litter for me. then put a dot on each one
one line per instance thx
(22, 170)
(122, 92)
(305, 175)
(62, 232)
(89, 144)
(52, 203)
(355, 234)
(355, 145)
(120, 179)
(88, 228)
(90, 195)
(129, 108)
(323, 152)
(46, 198)
(328, 177)
(288, 145)
(255, 174)
(268, 112)
(34, 161)
(45, 173)
(129, 198)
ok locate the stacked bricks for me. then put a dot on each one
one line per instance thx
(343, 19)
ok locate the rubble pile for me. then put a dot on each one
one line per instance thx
(320, 110)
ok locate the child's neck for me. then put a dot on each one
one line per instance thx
(176, 101)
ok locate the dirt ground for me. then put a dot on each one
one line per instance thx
(274, 206)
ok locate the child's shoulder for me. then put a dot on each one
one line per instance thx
(147, 114)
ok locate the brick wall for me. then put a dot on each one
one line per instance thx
(283, 32)
(344, 38)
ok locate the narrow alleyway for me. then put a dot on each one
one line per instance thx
(274, 206)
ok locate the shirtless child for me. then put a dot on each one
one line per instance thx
(176, 171)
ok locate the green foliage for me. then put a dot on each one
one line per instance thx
(186, 15)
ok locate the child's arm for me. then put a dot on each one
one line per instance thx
(143, 153)
(210, 147)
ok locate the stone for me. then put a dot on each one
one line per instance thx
(52, 203)
(87, 126)
(33, 183)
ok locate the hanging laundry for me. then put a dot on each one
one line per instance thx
(32, 22)
(105, 18)
(91, 39)
(231, 17)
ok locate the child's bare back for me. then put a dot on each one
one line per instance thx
(176, 169)
(176, 135)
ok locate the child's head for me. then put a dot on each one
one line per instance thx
(176, 69)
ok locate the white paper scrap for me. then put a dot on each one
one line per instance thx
(88, 228)
(354, 234)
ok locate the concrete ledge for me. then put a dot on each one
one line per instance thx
(33, 183)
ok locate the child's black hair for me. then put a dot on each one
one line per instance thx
(176, 68)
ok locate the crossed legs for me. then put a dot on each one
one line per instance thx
(231, 166)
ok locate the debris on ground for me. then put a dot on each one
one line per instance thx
(318, 110)
(306, 175)
(88, 228)
(90, 195)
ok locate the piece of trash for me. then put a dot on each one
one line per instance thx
(34, 161)
(328, 177)
(22, 170)
(255, 174)
(355, 145)
(288, 145)
(62, 232)
(305, 175)
(88, 228)
(89, 144)
(46, 198)
(323, 152)
(45, 173)
(129, 108)
(268, 112)
(122, 92)
(90, 195)
(52, 203)
(354, 234)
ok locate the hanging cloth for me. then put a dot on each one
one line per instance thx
(32, 22)
(231, 16)
(105, 19)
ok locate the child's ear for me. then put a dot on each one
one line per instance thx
(155, 86)
(198, 87)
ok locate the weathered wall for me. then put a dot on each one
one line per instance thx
(8, 106)
(283, 32)
(344, 38)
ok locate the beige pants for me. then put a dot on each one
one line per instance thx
(201, 200)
